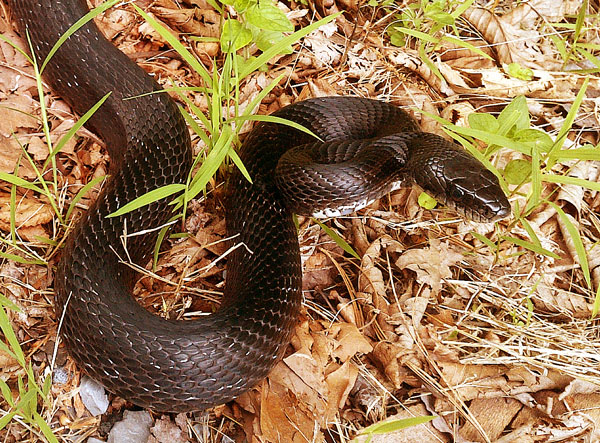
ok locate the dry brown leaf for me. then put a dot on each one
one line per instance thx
(29, 212)
(493, 414)
(348, 341)
(432, 264)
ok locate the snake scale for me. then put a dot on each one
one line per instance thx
(367, 148)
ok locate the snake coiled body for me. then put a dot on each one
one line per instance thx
(367, 148)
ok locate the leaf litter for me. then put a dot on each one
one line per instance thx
(439, 317)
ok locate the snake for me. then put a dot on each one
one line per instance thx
(355, 151)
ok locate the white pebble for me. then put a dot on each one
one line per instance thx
(93, 396)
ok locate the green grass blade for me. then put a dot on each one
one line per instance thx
(78, 24)
(11, 338)
(274, 119)
(577, 242)
(483, 239)
(176, 44)
(82, 192)
(576, 154)
(46, 430)
(262, 59)
(18, 181)
(466, 45)
(337, 239)
(71, 132)
(570, 118)
(149, 197)
(396, 425)
(567, 180)
(531, 246)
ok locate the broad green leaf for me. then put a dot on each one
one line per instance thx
(426, 201)
(265, 39)
(234, 36)
(537, 139)
(265, 15)
(517, 171)
(518, 106)
(483, 122)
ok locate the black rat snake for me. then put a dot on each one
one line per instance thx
(368, 148)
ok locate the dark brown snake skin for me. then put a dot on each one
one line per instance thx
(194, 365)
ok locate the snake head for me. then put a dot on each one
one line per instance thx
(460, 181)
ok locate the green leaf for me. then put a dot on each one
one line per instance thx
(537, 139)
(395, 425)
(265, 39)
(483, 239)
(147, 198)
(18, 259)
(234, 36)
(517, 71)
(18, 181)
(84, 190)
(517, 171)
(44, 427)
(483, 122)
(176, 44)
(577, 154)
(396, 37)
(516, 107)
(426, 201)
(467, 45)
(565, 179)
(570, 118)
(265, 15)
(10, 337)
(441, 17)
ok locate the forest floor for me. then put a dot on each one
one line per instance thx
(489, 328)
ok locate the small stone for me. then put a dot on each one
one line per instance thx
(134, 428)
(93, 396)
